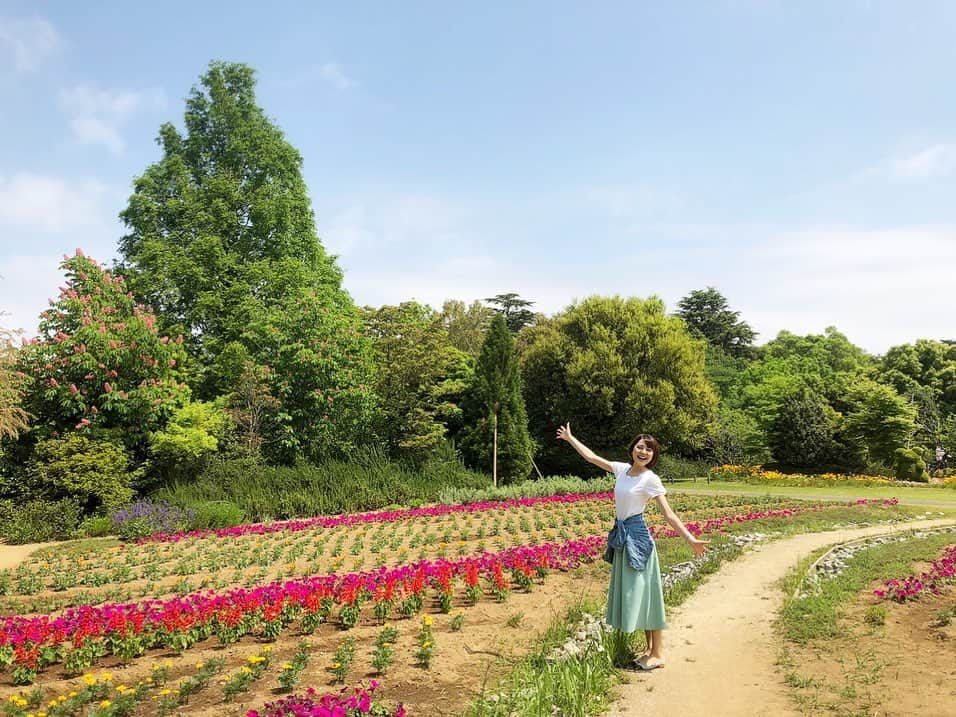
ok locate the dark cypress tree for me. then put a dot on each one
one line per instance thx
(495, 400)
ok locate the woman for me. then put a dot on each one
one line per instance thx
(636, 597)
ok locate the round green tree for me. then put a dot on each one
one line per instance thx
(615, 367)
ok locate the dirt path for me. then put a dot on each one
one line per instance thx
(720, 647)
(12, 555)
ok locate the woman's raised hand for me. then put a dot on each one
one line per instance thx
(564, 432)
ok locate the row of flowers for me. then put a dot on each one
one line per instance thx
(941, 572)
(80, 636)
(756, 474)
(360, 701)
(381, 516)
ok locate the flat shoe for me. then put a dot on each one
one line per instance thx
(645, 667)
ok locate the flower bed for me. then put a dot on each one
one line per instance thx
(757, 475)
(942, 572)
(80, 636)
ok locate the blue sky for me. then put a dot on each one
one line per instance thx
(800, 157)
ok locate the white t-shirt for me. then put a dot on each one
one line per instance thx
(631, 493)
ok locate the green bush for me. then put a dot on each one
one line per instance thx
(212, 514)
(672, 468)
(552, 485)
(91, 470)
(38, 521)
(192, 436)
(909, 466)
(368, 481)
(96, 526)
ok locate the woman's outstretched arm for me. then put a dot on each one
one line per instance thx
(698, 545)
(564, 434)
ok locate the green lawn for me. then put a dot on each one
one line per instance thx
(909, 495)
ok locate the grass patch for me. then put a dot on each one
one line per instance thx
(931, 495)
(806, 619)
(539, 687)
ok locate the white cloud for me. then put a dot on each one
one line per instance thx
(333, 73)
(49, 203)
(32, 41)
(98, 116)
(27, 283)
(880, 287)
(43, 217)
(935, 161)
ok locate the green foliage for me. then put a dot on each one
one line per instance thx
(13, 419)
(92, 470)
(615, 367)
(100, 361)
(213, 514)
(735, 438)
(930, 365)
(222, 245)
(672, 468)
(367, 482)
(191, 437)
(96, 526)
(495, 404)
(423, 380)
(802, 434)
(514, 309)
(910, 466)
(707, 315)
(322, 375)
(38, 521)
(466, 325)
(552, 485)
(880, 419)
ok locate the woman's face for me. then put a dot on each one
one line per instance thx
(642, 453)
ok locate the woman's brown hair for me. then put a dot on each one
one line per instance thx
(650, 442)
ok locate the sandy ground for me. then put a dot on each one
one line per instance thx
(12, 555)
(720, 647)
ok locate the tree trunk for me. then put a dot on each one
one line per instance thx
(494, 453)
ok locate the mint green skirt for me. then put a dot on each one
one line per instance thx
(635, 600)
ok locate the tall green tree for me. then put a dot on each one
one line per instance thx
(222, 245)
(515, 310)
(466, 325)
(803, 430)
(708, 315)
(926, 371)
(880, 419)
(615, 367)
(496, 434)
(423, 377)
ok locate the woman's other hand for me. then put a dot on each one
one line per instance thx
(698, 546)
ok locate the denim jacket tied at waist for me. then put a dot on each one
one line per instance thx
(633, 536)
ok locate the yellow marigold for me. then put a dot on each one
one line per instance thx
(105, 703)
